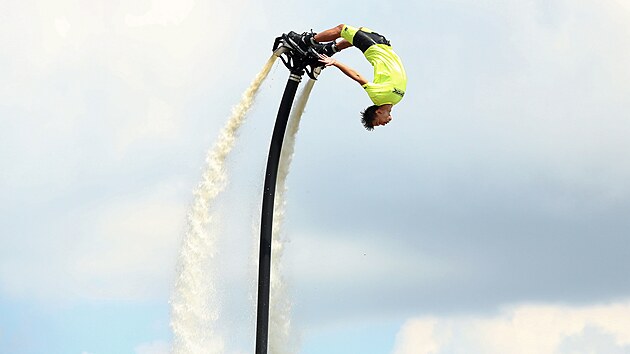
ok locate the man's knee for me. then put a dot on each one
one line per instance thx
(339, 28)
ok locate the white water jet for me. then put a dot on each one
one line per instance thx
(195, 307)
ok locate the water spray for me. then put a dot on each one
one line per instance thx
(194, 304)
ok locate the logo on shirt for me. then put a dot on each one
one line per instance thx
(399, 92)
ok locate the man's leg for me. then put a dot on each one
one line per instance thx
(329, 34)
(322, 39)
(343, 44)
(322, 42)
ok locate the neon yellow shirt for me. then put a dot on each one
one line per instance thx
(390, 79)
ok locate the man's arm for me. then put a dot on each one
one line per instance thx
(351, 73)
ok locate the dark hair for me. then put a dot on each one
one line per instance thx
(367, 117)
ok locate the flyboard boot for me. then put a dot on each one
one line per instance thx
(306, 45)
(300, 51)
(328, 49)
(306, 42)
(294, 51)
(299, 42)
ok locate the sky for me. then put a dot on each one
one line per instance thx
(490, 216)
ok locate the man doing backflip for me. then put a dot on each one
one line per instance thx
(390, 80)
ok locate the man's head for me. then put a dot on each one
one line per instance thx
(374, 116)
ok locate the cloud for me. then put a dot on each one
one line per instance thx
(418, 336)
(157, 347)
(123, 249)
(131, 250)
(96, 119)
(507, 162)
(162, 12)
(505, 176)
(523, 329)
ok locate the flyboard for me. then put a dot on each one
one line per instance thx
(295, 58)
(298, 61)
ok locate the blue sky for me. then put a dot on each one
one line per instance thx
(493, 205)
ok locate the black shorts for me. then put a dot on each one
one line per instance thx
(364, 40)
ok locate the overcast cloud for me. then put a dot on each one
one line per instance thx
(501, 182)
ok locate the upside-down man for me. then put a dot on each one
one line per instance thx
(390, 80)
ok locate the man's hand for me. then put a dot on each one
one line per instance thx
(328, 61)
(351, 73)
